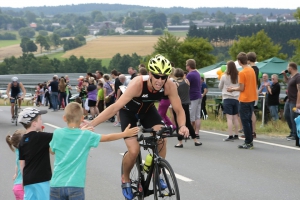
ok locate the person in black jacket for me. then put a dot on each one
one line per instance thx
(273, 97)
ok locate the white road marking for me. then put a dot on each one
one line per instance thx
(178, 176)
(51, 125)
(258, 141)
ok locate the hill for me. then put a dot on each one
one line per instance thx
(120, 8)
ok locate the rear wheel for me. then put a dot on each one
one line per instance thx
(135, 179)
(167, 174)
(16, 112)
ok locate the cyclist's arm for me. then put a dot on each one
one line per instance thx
(171, 91)
(134, 89)
(23, 90)
(8, 90)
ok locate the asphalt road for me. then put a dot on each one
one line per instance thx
(216, 170)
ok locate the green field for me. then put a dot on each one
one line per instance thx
(6, 43)
(179, 33)
(57, 55)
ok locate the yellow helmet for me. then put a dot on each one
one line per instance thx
(160, 65)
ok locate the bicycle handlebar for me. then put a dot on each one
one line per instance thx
(165, 131)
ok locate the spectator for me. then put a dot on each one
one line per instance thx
(230, 99)
(204, 91)
(264, 91)
(273, 97)
(195, 94)
(54, 93)
(163, 106)
(114, 75)
(100, 97)
(248, 95)
(109, 93)
(183, 92)
(143, 71)
(293, 82)
(68, 91)
(92, 96)
(142, 66)
(132, 73)
(62, 93)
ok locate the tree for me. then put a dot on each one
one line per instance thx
(157, 31)
(198, 49)
(176, 19)
(296, 56)
(43, 33)
(18, 23)
(43, 42)
(26, 32)
(259, 43)
(168, 45)
(30, 16)
(297, 14)
(28, 45)
(55, 40)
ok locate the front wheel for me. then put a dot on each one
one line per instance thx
(169, 188)
(16, 113)
(135, 179)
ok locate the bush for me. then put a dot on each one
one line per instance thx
(43, 33)
(8, 36)
(157, 31)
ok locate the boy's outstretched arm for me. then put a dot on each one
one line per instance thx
(129, 132)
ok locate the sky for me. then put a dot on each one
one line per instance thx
(289, 4)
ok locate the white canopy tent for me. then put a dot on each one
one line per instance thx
(213, 73)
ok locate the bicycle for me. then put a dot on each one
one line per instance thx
(16, 111)
(160, 169)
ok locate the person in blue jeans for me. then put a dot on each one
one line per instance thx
(293, 82)
(54, 92)
(71, 146)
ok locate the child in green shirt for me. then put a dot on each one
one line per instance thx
(100, 97)
(71, 147)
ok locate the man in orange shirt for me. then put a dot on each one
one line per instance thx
(248, 95)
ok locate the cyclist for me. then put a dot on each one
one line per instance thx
(15, 89)
(137, 103)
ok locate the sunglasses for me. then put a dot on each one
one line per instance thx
(158, 76)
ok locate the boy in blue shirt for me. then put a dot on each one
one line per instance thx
(71, 147)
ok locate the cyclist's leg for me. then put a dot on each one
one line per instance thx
(12, 107)
(19, 99)
(152, 119)
(130, 157)
(128, 117)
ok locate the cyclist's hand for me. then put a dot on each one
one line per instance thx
(83, 123)
(129, 132)
(87, 127)
(184, 131)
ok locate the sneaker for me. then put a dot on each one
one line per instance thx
(290, 138)
(127, 191)
(162, 184)
(246, 146)
(236, 137)
(12, 120)
(118, 124)
(240, 131)
(229, 138)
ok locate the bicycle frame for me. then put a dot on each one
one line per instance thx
(145, 183)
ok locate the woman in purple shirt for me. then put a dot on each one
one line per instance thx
(92, 96)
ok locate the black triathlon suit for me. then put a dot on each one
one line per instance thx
(142, 108)
(14, 91)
